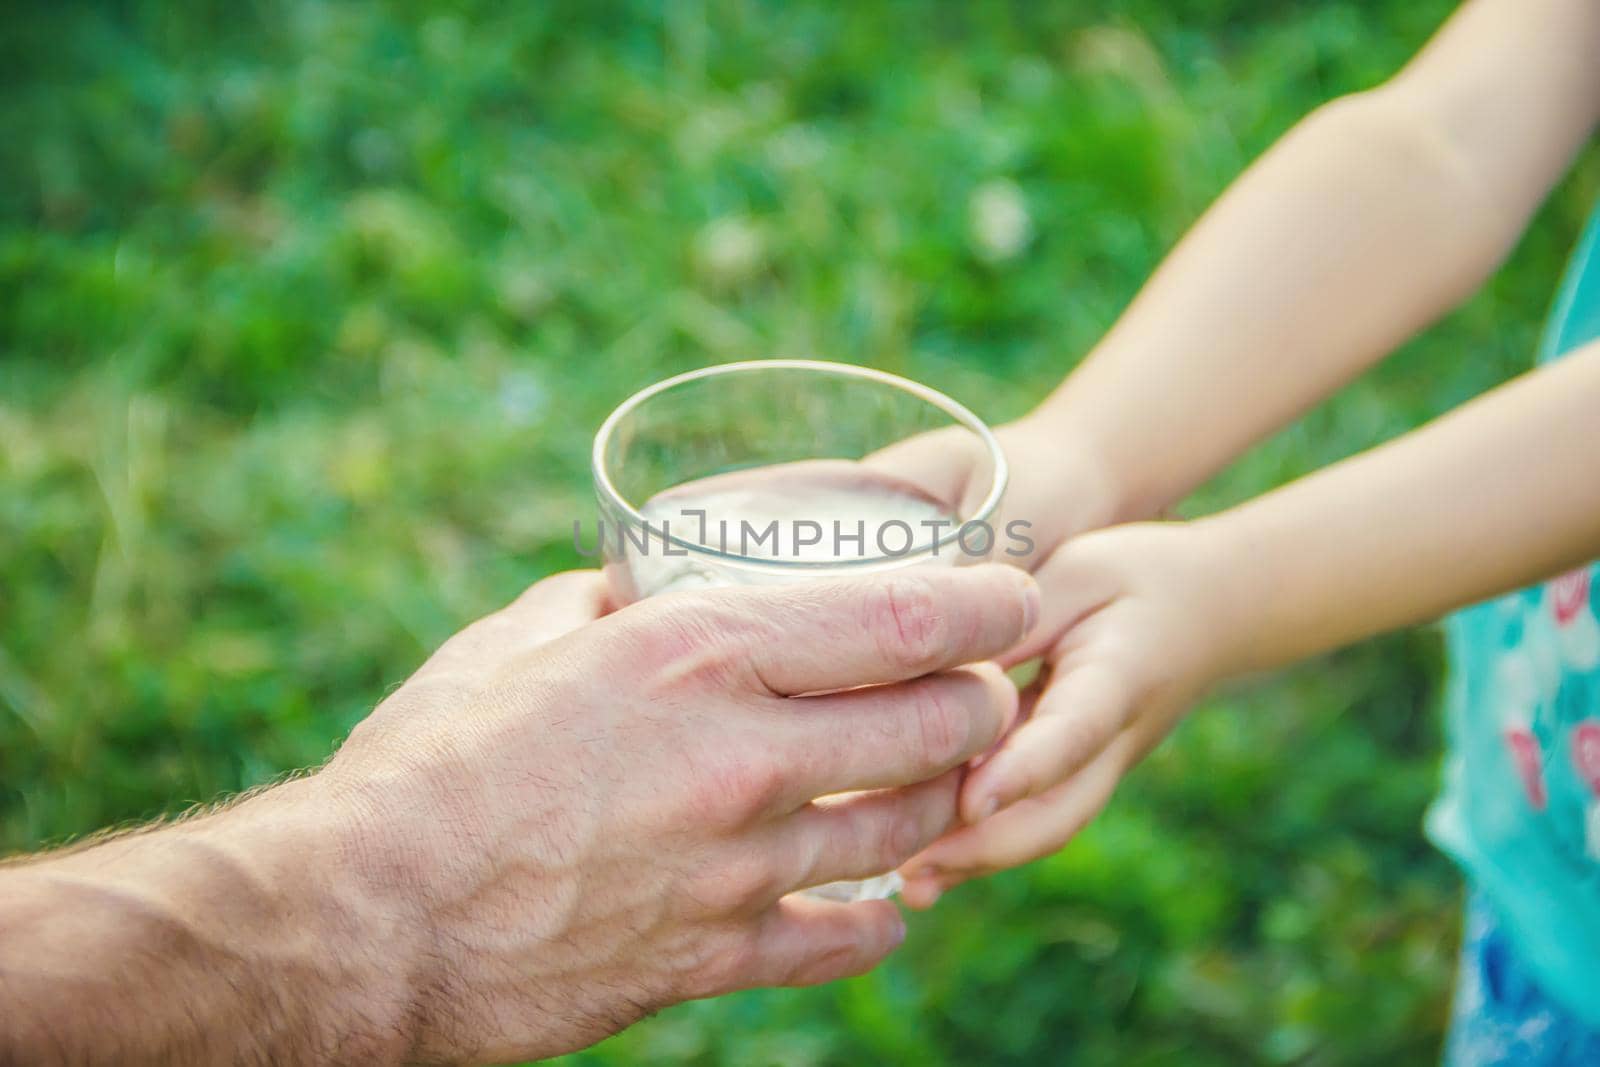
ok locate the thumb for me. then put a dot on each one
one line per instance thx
(1076, 717)
(548, 609)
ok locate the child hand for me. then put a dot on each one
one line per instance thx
(1058, 486)
(1134, 628)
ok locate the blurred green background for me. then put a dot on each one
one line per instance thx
(308, 311)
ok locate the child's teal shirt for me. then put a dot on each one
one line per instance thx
(1520, 807)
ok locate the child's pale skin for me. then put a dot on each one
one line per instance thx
(1368, 220)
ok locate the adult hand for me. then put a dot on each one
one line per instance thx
(587, 831)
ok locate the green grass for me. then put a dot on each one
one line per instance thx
(308, 311)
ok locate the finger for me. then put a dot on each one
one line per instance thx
(1077, 590)
(544, 611)
(1027, 699)
(827, 635)
(863, 834)
(1027, 831)
(883, 736)
(558, 604)
(1076, 717)
(805, 941)
(941, 462)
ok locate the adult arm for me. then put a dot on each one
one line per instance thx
(531, 845)
(246, 936)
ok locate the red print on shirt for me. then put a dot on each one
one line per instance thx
(1530, 766)
(1569, 595)
(1586, 752)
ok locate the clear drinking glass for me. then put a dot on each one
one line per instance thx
(788, 470)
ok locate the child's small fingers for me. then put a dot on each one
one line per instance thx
(1026, 831)
(921, 894)
(1075, 718)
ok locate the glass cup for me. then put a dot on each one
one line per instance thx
(777, 471)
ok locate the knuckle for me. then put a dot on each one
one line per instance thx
(1121, 703)
(733, 786)
(900, 837)
(743, 884)
(997, 701)
(1079, 737)
(1029, 780)
(914, 633)
(842, 959)
(692, 639)
(734, 962)
(715, 962)
(1078, 740)
(673, 627)
(942, 726)
(738, 961)
(757, 782)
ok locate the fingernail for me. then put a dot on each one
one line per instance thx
(1030, 606)
(897, 936)
(990, 806)
(933, 896)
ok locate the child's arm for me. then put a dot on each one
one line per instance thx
(1502, 492)
(1499, 493)
(1372, 217)
(1368, 220)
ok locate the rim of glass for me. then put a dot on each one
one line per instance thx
(951, 407)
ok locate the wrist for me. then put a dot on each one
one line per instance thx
(1085, 492)
(330, 934)
(372, 893)
(413, 863)
(1225, 559)
(1107, 491)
